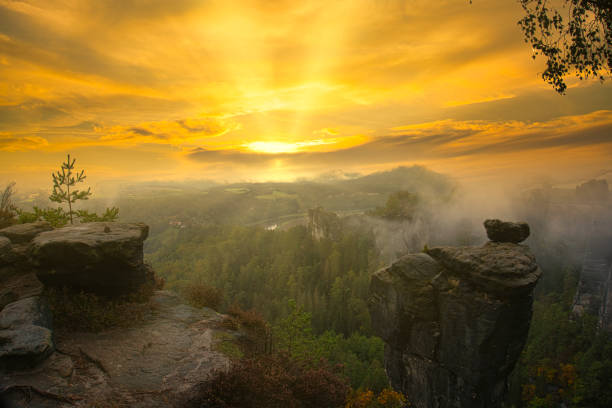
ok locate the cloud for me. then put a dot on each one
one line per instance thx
(12, 143)
(176, 132)
(443, 140)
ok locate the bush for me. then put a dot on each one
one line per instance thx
(199, 294)
(273, 381)
(257, 334)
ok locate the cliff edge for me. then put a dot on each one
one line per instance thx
(455, 319)
(156, 360)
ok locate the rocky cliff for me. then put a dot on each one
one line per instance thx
(153, 363)
(455, 320)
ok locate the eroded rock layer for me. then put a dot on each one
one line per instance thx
(454, 322)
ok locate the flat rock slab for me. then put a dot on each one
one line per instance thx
(100, 257)
(150, 365)
(505, 269)
(24, 233)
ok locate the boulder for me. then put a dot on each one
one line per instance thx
(19, 286)
(24, 233)
(26, 338)
(503, 231)
(29, 311)
(454, 322)
(103, 258)
(25, 346)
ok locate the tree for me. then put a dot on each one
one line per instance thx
(579, 42)
(63, 181)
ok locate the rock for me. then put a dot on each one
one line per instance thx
(503, 268)
(25, 346)
(24, 233)
(153, 364)
(454, 322)
(26, 338)
(85, 257)
(19, 286)
(29, 311)
(5, 251)
(502, 231)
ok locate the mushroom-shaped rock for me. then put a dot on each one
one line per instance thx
(504, 231)
(103, 258)
(454, 322)
(24, 233)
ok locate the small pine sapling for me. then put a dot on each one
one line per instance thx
(63, 181)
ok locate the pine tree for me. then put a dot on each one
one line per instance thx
(63, 181)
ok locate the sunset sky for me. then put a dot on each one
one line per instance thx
(275, 90)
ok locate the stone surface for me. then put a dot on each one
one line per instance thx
(5, 251)
(153, 364)
(104, 258)
(29, 311)
(23, 233)
(19, 286)
(454, 323)
(503, 231)
(504, 268)
(25, 333)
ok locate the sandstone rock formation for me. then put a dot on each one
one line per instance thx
(454, 321)
(152, 364)
(103, 258)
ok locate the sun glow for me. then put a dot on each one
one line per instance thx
(283, 147)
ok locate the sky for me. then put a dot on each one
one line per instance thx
(254, 90)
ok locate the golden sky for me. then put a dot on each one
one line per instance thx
(276, 89)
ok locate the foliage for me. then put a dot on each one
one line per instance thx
(63, 181)
(579, 42)
(273, 381)
(263, 269)
(387, 398)
(82, 311)
(257, 333)
(401, 205)
(199, 294)
(109, 215)
(7, 207)
(567, 361)
(58, 217)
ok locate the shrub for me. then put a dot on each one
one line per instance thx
(199, 294)
(257, 334)
(273, 381)
(387, 398)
